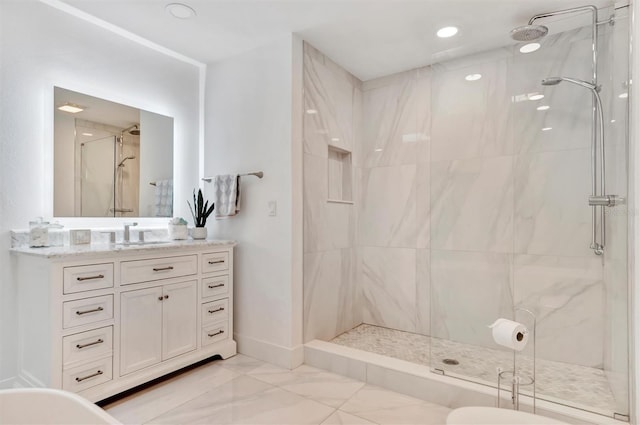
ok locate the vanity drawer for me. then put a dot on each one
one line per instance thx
(215, 333)
(89, 375)
(87, 278)
(215, 311)
(88, 345)
(215, 261)
(215, 286)
(87, 310)
(157, 268)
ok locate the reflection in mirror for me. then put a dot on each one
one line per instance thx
(110, 160)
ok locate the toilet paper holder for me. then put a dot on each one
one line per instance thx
(516, 380)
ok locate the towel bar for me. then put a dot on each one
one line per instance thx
(258, 174)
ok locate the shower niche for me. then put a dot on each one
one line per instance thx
(340, 175)
(110, 160)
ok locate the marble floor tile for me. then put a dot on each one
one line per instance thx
(343, 418)
(424, 414)
(242, 364)
(324, 387)
(147, 404)
(246, 400)
(371, 398)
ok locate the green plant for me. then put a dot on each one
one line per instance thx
(201, 210)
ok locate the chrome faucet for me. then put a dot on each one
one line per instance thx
(126, 231)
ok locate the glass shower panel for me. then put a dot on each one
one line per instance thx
(510, 222)
(97, 178)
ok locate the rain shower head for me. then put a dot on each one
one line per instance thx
(529, 32)
(554, 81)
(134, 130)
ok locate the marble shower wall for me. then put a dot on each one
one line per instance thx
(332, 102)
(468, 208)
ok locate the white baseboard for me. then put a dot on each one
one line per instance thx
(287, 357)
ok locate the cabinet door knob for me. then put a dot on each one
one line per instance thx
(160, 298)
(166, 297)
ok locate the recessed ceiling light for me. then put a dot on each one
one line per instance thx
(71, 108)
(180, 11)
(447, 32)
(335, 139)
(612, 121)
(623, 95)
(473, 77)
(535, 96)
(543, 107)
(312, 111)
(87, 134)
(528, 48)
(547, 128)
(378, 150)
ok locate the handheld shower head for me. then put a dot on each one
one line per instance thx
(554, 81)
(123, 161)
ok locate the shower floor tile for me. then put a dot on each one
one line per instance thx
(577, 386)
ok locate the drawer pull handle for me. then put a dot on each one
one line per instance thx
(217, 310)
(93, 375)
(220, 285)
(80, 313)
(162, 269)
(216, 261)
(98, 276)
(215, 334)
(81, 346)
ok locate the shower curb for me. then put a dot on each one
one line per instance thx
(418, 381)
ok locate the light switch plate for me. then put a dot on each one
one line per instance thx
(80, 236)
(273, 208)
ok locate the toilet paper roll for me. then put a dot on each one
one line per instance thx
(510, 334)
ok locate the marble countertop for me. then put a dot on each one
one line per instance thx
(109, 248)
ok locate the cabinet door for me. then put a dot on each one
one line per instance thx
(179, 319)
(140, 329)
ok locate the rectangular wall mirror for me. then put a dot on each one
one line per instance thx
(110, 160)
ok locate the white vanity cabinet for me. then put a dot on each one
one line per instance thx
(157, 324)
(98, 321)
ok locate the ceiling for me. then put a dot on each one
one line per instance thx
(370, 38)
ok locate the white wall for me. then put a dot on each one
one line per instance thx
(249, 100)
(43, 47)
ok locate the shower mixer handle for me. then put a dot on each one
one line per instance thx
(606, 200)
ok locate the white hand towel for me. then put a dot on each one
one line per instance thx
(164, 198)
(226, 195)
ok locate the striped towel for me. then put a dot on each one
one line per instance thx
(226, 189)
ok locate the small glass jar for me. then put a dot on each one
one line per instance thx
(38, 233)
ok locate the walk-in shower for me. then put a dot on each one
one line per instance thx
(109, 171)
(475, 198)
